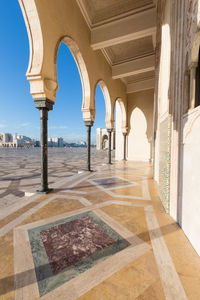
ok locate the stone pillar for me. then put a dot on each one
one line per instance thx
(88, 124)
(109, 147)
(99, 139)
(124, 134)
(193, 68)
(44, 105)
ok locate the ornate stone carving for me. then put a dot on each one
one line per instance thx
(192, 22)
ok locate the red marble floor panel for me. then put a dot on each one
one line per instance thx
(71, 242)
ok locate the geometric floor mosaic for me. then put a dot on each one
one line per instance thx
(64, 249)
(88, 241)
(112, 182)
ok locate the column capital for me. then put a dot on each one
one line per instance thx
(109, 129)
(44, 103)
(88, 123)
(124, 133)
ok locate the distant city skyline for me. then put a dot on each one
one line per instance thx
(49, 137)
(18, 113)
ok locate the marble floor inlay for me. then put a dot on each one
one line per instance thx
(97, 236)
(111, 182)
(73, 241)
(66, 248)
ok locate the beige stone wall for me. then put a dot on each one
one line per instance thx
(189, 209)
(182, 172)
(140, 125)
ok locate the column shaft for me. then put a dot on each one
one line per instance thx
(124, 134)
(88, 147)
(44, 149)
(44, 105)
(109, 148)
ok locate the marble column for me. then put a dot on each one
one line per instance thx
(125, 135)
(109, 147)
(88, 124)
(44, 105)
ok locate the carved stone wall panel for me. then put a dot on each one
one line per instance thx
(192, 25)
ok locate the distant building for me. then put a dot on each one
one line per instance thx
(7, 140)
(102, 139)
(55, 142)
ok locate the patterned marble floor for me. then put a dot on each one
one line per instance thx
(20, 169)
(98, 236)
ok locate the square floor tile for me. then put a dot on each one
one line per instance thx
(71, 242)
(64, 249)
(112, 182)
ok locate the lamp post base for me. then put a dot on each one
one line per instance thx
(47, 191)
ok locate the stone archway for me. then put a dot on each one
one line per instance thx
(108, 119)
(88, 111)
(105, 142)
(120, 129)
(139, 148)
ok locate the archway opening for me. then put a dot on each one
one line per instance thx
(105, 142)
(99, 124)
(103, 113)
(66, 120)
(120, 126)
(139, 148)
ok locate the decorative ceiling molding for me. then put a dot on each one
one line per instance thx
(92, 24)
(107, 56)
(133, 67)
(84, 13)
(123, 30)
(141, 85)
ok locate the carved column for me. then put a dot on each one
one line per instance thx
(44, 105)
(109, 147)
(125, 135)
(88, 124)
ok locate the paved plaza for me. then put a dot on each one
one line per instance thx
(101, 235)
(20, 169)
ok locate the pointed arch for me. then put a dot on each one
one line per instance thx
(139, 147)
(87, 109)
(109, 116)
(123, 113)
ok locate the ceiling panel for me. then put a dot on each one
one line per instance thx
(129, 50)
(102, 10)
(140, 77)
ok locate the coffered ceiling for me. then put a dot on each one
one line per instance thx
(124, 30)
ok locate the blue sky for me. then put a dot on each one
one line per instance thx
(17, 111)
